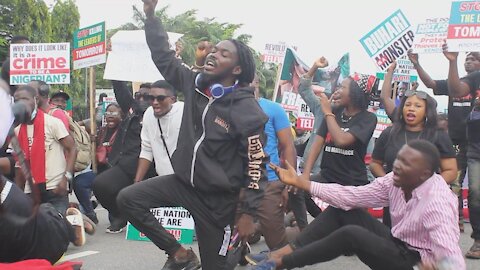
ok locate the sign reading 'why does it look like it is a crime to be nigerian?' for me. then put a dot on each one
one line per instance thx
(388, 41)
(89, 46)
(48, 62)
(176, 220)
(464, 26)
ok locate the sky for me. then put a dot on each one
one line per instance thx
(317, 28)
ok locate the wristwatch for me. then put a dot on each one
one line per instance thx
(68, 175)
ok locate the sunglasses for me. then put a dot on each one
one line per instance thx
(151, 98)
(112, 113)
(420, 94)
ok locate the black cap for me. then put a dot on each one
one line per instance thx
(60, 94)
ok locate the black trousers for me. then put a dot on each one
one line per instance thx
(213, 214)
(296, 203)
(106, 187)
(336, 232)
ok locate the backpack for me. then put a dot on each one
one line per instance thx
(82, 142)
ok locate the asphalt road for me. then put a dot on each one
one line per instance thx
(105, 251)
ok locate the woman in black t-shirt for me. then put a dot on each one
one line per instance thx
(415, 118)
(344, 133)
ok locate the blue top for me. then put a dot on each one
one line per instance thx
(277, 120)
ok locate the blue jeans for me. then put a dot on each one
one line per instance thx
(474, 196)
(82, 186)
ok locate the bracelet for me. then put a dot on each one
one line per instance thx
(330, 114)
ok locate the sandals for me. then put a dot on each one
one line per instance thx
(74, 217)
(474, 251)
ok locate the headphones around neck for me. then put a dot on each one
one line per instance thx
(217, 90)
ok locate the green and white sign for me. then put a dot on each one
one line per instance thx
(89, 46)
(176, 220)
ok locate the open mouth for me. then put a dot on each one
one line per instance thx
(410, 117)
(210, 64)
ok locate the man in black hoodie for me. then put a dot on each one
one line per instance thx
(219, 151)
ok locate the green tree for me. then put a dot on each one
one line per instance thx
(196, 30)
(29, 18)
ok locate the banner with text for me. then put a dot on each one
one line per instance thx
(131, 47)
(464, 26)
(383, 121)
(405, 72)
(324, 80)
(89, 46)
(275, 52)
(176, 220)
(429, 36)
(390, 40)
(48, 62)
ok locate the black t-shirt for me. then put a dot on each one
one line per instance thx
(458, 110)
(346, 165)
(386, 147)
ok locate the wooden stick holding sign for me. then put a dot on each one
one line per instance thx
(93, 123)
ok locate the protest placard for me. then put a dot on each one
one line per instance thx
(48, 62)
(404, 72)
(430, 36)
(464, 26)
(176, 220)
(275, 52)
(390, 40)
(131, 47)
(324, 80)
(89, 46)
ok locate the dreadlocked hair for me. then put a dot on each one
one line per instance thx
(245, 61)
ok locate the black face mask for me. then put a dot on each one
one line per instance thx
(142, 106)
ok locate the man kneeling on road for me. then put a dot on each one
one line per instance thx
(424, 218)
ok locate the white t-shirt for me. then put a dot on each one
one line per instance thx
(152, 144)
(55, 161)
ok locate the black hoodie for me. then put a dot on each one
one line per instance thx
(220, 145)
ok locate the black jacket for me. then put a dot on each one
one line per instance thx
(127, 144)
(220, 145)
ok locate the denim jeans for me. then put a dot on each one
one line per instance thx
(474, 196)
(82, 186)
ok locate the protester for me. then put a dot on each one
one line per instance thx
(19, 39)
(59, 100)
(279, 147)
(107, 135)
(161, 124)
(458, 110)
(424, 217)
(306, 92)
(459, 88)
(43, 101)
(204, 47)
(344, 135)
(220, 150)
(52, 170)
(416, 118)
(123, 157)
(27, 232)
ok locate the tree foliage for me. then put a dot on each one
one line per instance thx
(195, 30)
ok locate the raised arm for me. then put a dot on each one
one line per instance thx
(456, 87)
(123, 95)
(171, 68)
(426, 79)
(386, 93)
(305, 87)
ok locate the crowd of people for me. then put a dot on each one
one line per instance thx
(230, 158)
